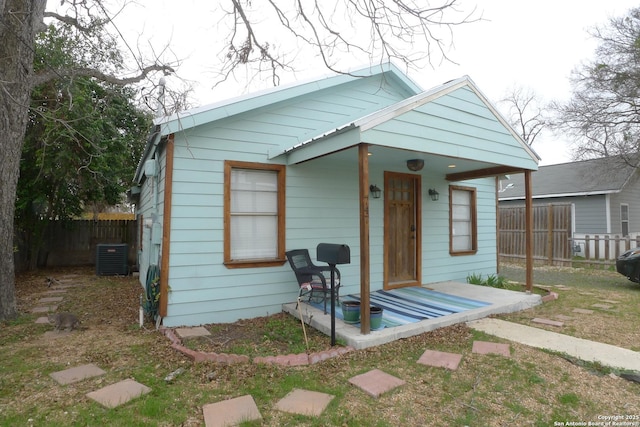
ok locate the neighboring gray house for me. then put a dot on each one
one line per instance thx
(604, 193)
(224, 190)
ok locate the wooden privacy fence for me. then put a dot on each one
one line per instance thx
(73, 243)
(551, 234)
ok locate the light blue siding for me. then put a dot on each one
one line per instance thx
(457, 125)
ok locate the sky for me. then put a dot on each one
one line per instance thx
(533, 45)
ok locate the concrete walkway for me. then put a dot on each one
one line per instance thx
(590, 351)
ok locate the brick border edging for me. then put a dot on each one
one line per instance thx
(230, 359)
(550, 296)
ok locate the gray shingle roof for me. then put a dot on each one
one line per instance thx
(595, 176)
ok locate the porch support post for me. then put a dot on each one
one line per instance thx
(166, 228)
(528, 229)
(363, 167)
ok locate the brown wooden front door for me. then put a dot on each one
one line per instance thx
(402, 230)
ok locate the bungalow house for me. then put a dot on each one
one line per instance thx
(604, 195)
(225, 189)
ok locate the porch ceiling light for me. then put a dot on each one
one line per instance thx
(434, 194)
(375, 191)
(415, 164)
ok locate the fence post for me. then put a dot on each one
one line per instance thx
(596, 249)
(587, 251)
(550, 234)
(606, 248)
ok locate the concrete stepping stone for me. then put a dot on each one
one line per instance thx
(582, 311)
(440, 359)
(563, 287)
(44, 309)
(119, 393)
(547, 322)
(563, 318)
(42, 320)
(602, 306)
(304, 402)
(376, 382)
(64, 287)
(610, 301)
(55, 292)
(57, 334)
(79, 373)
(485, 347)
(198, 331)
(231, 412)
(50, 299)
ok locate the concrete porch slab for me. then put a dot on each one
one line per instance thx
(78, 373)
(119, 393)
(500, 300)
(231, 412)
(376, 382)
(304, 402)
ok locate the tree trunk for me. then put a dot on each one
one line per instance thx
(20, 20)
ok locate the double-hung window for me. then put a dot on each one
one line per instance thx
(254, 214)
(463, 236)
(624, 219)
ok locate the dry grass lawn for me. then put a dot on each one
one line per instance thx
(531, 387)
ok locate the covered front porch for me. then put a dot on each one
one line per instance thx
(498, 301)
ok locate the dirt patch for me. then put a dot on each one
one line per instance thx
(272, 335)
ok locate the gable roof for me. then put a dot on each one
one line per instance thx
(196, 116)
(191, 118)
(371, 121)
(583, 178)
(451, 121)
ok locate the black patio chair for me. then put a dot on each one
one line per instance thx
(313, 280)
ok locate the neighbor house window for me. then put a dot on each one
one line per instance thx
(254, 208)
(463, 238)
(624, 219)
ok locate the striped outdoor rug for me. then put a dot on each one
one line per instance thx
(412, 304)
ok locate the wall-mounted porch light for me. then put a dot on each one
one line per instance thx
(415, 164)
(375, 191)
(434, 194)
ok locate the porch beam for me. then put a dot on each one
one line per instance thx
(482, 173)
(363, 167)
(528, 190)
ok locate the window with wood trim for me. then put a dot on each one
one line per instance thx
(463, 233)
(624, 219)
(254, 214)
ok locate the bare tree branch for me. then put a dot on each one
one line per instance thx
(525, 113)
(49, 75)
(603, 114)
(398, 30)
